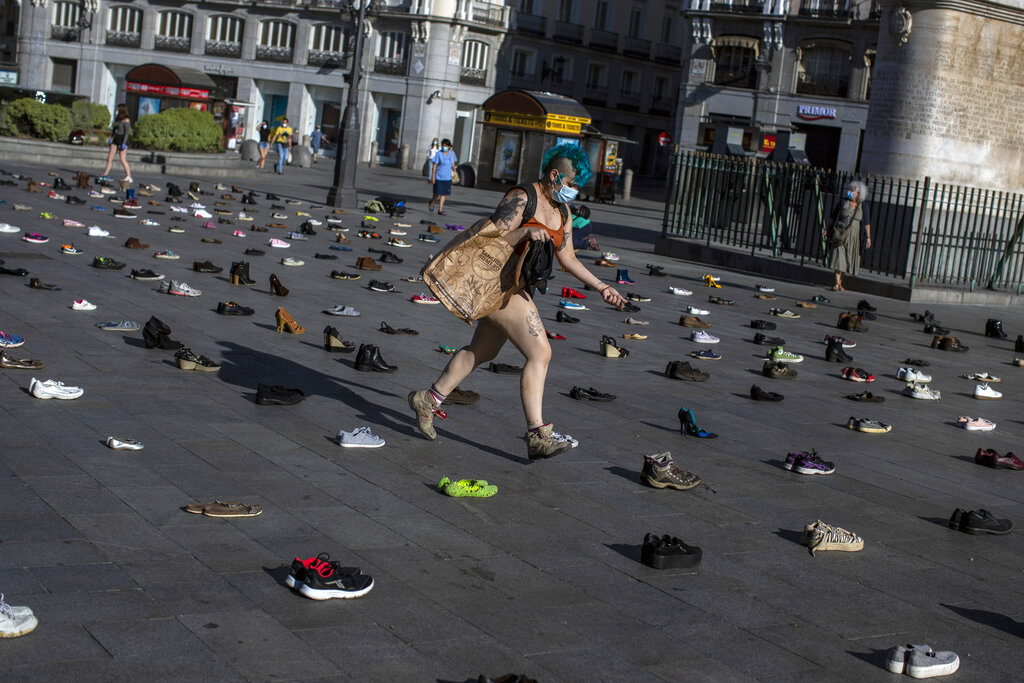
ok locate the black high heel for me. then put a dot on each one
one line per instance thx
(688, 425)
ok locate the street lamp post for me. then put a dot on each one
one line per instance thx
(344, 188)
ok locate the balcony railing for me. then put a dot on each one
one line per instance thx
(65, 33)
(327, 58)
(558, 88)
(569, 33)
(122, 39)
(275, 54)
(606, 41)
(637, 47)
(668, 54)
(218, 48)
(473, 76)
(629, 100)
(531, 24)
(825, 9)
(490, 15)
(523, 80)
(173, 44)
(662, 106)
(392, 67)
(739, 7)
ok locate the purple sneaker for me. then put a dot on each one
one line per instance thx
(808, 463)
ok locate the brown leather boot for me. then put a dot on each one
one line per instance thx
(367, 263)
(542, 443)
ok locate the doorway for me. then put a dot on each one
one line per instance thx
(389, 131)
(277, 106)
(822, 144)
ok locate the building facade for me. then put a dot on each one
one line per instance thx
(768, 70)
(621, 59)
(427, 64)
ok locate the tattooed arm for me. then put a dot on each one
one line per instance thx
(567, 258)
(509, 215)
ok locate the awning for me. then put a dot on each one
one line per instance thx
(535, 111)
(748, 42)
(178, 81)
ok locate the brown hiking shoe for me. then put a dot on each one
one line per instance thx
(423, 405)
(661, 472)
(542, 443)
(694, 322)
(134, 243)
(682, 370)
(777, 370)
(367, 263)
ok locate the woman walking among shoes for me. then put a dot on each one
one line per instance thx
(118, 143)
(532, 213)
(441, 175)
(844, 242)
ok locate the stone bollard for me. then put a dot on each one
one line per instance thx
(249, 150)
(403, 158)
(301, 157)
(373, 154)
(627, 185)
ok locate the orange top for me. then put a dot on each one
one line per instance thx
(556, 234)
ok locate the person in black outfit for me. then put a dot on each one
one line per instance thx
(118, 143)
(264, 131)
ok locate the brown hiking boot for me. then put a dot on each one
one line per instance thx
(681, 370)
(694, 322)
(542, 443)
(423, 405)
(661, 472)
(776, 370)
(367, 263)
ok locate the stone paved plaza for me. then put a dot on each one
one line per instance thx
(544, 578)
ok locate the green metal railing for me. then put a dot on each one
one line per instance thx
(921, 231)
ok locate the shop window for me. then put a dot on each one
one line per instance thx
(224, 36)
(65, 73)
(823, 69)
(174, 32)
(734, 66)
(276, 42)
(124, 26)
(65, 20)
(327, 44)
(392, 50)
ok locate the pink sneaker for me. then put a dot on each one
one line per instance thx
(280, 244)
(209, 226)
(424, 299)
(238, 233)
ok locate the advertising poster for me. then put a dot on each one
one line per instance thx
(149, 105)
(506, 155)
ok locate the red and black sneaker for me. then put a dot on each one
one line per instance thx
(857, 375)
(297, 577)
(570, 293)
(325, 580)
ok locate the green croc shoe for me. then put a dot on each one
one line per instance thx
(466, 488)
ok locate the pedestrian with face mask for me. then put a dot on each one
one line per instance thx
(565, 168)
(441, 175)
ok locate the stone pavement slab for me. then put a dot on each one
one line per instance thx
(544, 578)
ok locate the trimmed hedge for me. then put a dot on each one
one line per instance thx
(37, 119)
(178, 130)
(88, 115)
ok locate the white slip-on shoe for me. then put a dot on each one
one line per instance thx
(931, 664)
(123, 444)
(984, 391)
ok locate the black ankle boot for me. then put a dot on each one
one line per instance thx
(240, 274)
(994, 328)
(1018, 346)
(836, 354)
(370, 360)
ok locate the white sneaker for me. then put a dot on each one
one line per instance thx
(178, 209)
(182, 289)
(200, 213)
(610, 256)
(7, 227)
(149, 221)
(123, 444)
(15, 621)
(196, 205)
(765, 289)
(83, 305)
(913, 375)
(97, 231)
(360, 437)
(679, 291)
(702, 337)
(341, 309)
(986, 392)
(921, 391)
(51, 388)
(566, 438)
(931, 664)
(693, 310)
(289, 261)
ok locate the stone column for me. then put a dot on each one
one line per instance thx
(947, 94)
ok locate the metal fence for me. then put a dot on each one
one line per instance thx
(921, 231)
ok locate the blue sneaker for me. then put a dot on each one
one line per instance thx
(10, 341)
(97, 207)
(296, 236)
(571, 305)
(706, 354)
(427, 237)
(340, 247)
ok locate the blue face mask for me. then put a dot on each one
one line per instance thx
(565, 194)
(849, 195)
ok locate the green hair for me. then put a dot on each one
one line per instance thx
(575, 155)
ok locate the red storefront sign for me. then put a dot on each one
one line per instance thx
(169, 90)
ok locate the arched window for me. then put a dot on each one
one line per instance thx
(392, 51)
(735, 61)
(276, 41)
(224, 35)
(327, 45)
(124, 26)
(823, 68)
(174, 31)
